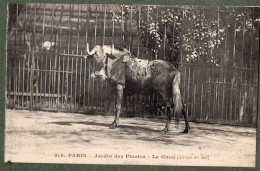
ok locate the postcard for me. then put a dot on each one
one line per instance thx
(166, 85)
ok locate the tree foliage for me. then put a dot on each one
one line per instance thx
(181, 30)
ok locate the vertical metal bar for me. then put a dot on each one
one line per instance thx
(217, 98)
(96, 25)
(104, 29)
(55, 67)
(219, 87)
(68, 51)
(195, 84)
(181, 63)
(234, 55)
(89, 82)
(240, 95)
(93, 87)
(240, 87)
(23, 78)
(76, 81)
(67, 82)
(199, 73)
(173, 34)
(43, 34)
(19, 80)
(193, 68)
(147, 25)
(28, 77)
(194, 101)
(236, 115)
(50, 83)
(89, 79)
(247, 90)
(52, 68)
(79, 16)
(223, 96)
(214, 97)
(96, 94)
(129, 48)
(251, 60)
(45, 76)
(86, 38)
(41, 56)
(101, 95)
(188, 87)
(33, 50)
(209, 74)
(201, 102)
(156, 23)
(225, 76)
(130, 30)
(184, 83)
(104, 85)
(52, 92)
(252, 40)
(59, 75)
(113, 28)
(215, 106)
(231, 101)
(84, 84)
(79, 96)
(164, 42)
(71, 78)
(181, 35)
(58, 93)
(69, 41)
(37, 62)
(80, 71)
(138, 42)
(15, 43)
(63, 80)
(122, 27)
(234, 47)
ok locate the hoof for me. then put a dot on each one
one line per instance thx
(113, 126)
(186, 130)
(165, 130)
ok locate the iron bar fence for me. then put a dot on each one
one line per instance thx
(215, 48)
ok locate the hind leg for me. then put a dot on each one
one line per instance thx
(169, 117)
(167, 100)
(168, 122)
(187, 126)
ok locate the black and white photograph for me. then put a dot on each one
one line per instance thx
(113, 84)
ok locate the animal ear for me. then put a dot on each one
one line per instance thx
(126, 58)
(111, 56)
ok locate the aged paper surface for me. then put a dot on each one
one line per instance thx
(58, 111)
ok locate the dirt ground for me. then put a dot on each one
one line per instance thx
(48, 137)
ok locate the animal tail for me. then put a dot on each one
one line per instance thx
(176, 94)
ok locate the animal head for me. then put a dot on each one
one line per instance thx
(104, 56)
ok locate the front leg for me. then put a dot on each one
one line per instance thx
(119, 97)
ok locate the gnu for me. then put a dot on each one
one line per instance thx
(132, 75)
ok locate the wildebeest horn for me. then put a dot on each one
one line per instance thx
(93, 50)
